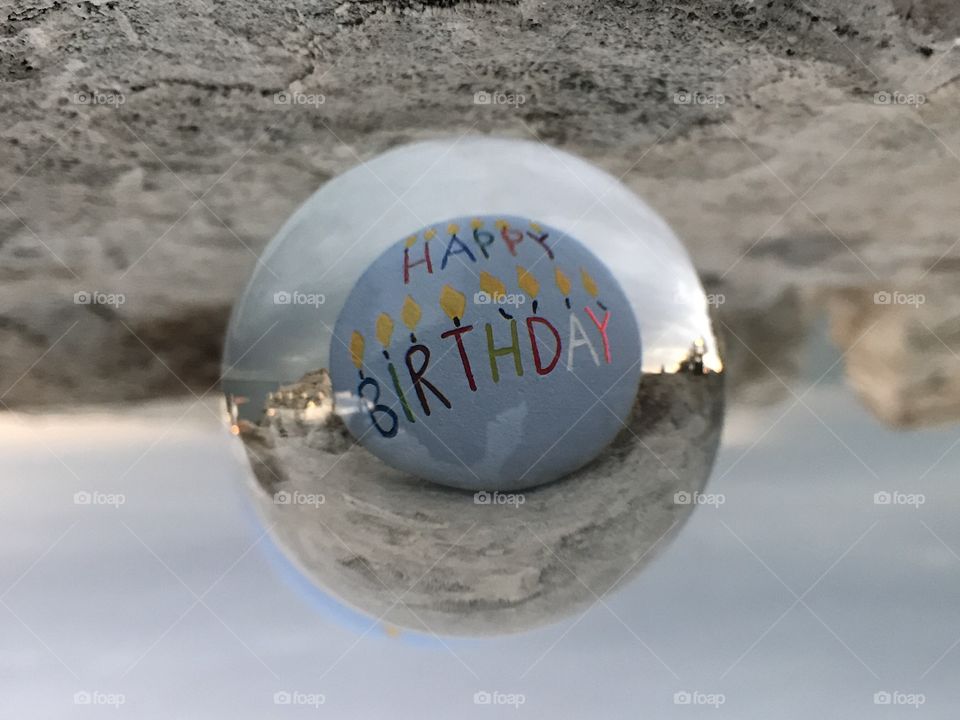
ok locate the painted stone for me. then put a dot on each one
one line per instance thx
(486, 352)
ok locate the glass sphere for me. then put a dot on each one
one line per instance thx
(486, 315)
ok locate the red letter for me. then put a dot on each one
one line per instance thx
(407, 264)
(603, 332)
(541, 370)
(513, 241)
(457, 332)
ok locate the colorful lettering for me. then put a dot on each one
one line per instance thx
(456, 333)
(535, 348)
(407, 265)
(541, 240)
(450, 251)
(487, 241)
(512, 349)
(374, 408)
(575, 342)
(420, 382)
(602, 327)
(511, 238)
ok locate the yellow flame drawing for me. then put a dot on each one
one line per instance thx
(588, 284)
(356, 349)
(411, 241)
(476, 223)
(392, 631)
(384, 329)
(563, 282)
(429, 234)
(535, 227)
(501, 224)
(491, 285)
(453, 302)
(453, 228)
(410, 314)
(527, 282)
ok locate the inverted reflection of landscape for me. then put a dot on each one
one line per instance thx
(896, 357)
(497, 562)
(578, 468)
(896, 346)
(492, 562)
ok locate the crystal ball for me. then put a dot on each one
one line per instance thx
(478, 313)
(478, 374)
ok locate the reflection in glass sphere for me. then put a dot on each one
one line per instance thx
(484, 315)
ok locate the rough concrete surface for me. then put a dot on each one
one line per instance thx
(145, 151)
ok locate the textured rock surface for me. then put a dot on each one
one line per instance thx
(144, 151)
